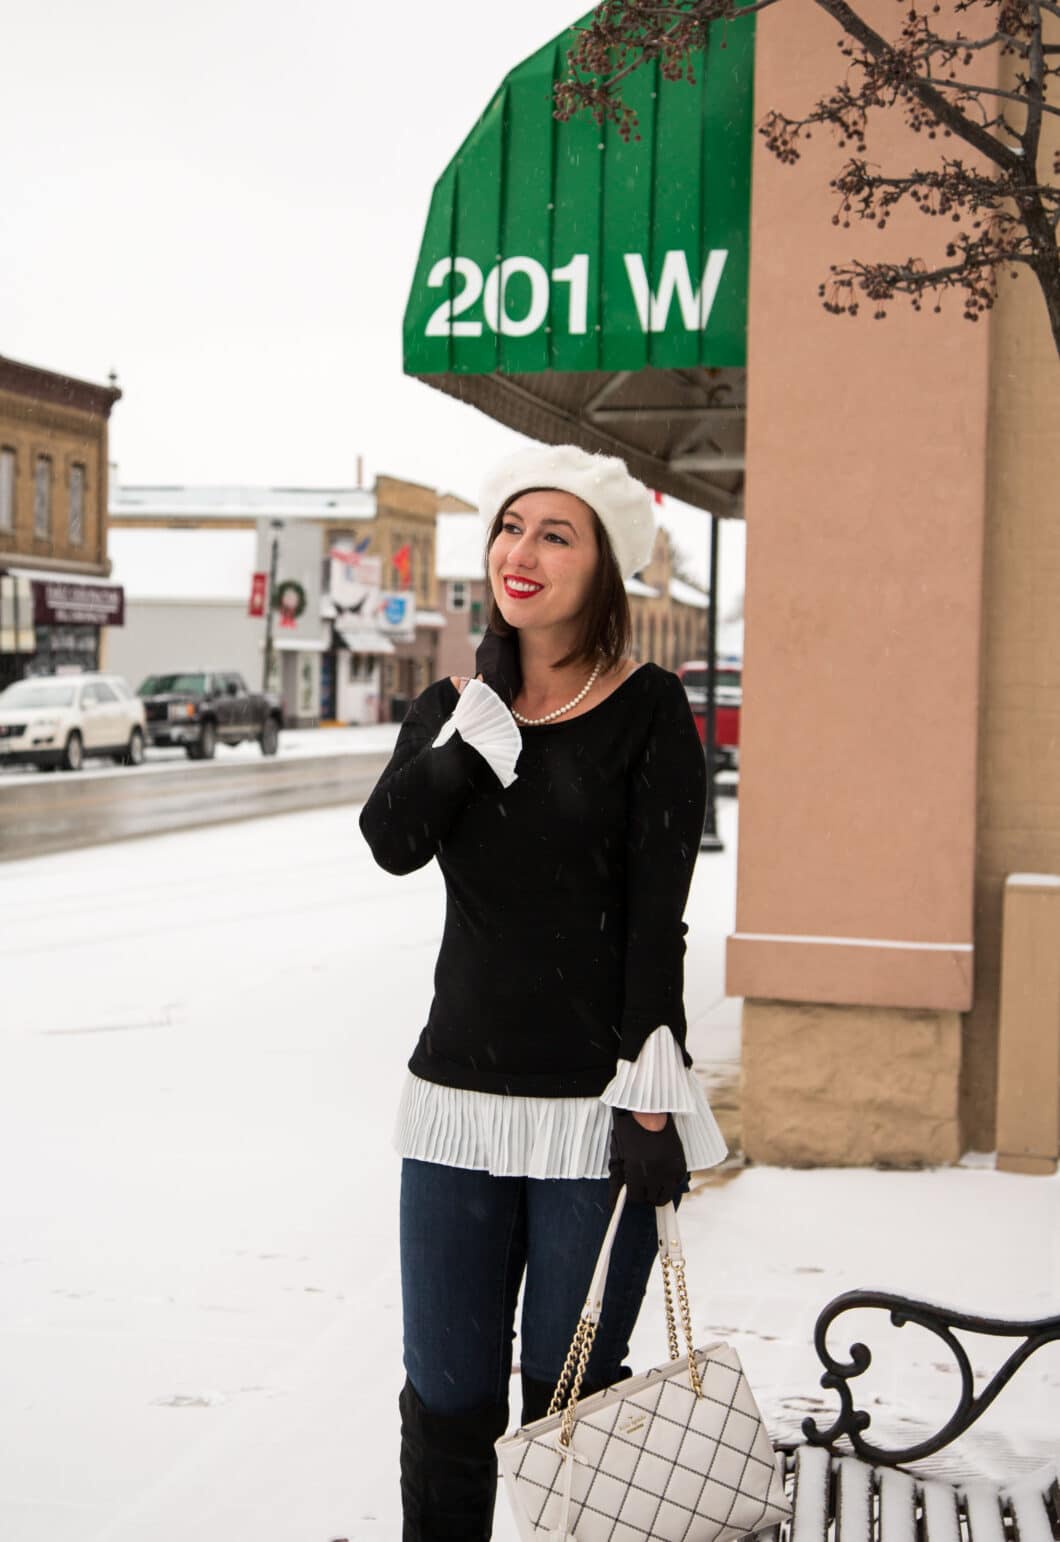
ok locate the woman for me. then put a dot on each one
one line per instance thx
(562, 792)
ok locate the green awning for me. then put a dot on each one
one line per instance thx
(580, 287)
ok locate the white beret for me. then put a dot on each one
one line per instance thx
(623, 505)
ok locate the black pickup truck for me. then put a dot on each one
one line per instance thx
(204, 708)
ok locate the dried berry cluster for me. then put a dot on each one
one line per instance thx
(945, 85)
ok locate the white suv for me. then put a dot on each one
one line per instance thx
(56, 720)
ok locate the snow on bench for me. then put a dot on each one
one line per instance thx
(866, 1495)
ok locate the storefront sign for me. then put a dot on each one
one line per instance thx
(563, 247)
(396, 613)
(61, 602)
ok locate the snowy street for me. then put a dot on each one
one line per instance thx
(106, 803)
(295, 743)
(201, 1044)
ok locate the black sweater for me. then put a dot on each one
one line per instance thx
(563, 946)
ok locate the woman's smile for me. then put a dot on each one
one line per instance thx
(521, 588)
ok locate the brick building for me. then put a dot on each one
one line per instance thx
(54, 594)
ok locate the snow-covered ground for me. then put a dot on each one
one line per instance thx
(202, 1037)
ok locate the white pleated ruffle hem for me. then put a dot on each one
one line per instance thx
(513, 1137)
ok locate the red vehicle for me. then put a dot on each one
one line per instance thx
(728, 694)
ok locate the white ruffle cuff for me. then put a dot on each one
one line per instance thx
(484, 722)
(657, 1082)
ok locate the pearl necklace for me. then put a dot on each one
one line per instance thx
(535, 722)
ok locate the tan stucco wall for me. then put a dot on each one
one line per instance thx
(865, 496)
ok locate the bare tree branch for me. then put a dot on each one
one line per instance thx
(948, 115)
(960, 45)
(1036, 104)
(1006, 96)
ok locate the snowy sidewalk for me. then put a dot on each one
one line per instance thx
(201, 1044)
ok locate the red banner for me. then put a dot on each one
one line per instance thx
(257, 594)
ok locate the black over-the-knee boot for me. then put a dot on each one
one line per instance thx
(448, 1470)
(537, 1395)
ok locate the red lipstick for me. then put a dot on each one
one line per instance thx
(521, 594)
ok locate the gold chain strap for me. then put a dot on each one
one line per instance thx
(671, 1321)
(686, 1323)
(573, 1372)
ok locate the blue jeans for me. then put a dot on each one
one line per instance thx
(467, 1241)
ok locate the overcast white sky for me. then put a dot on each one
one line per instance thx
(223, 202)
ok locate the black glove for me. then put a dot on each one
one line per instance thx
(497, 661)
(651, 1163)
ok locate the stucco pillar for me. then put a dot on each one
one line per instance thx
(1019, 731)
(1028, 1104)
(866, 458)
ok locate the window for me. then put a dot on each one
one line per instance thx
(7, 489)
(178, 685)
(26, 693)
(458, 596)
(77, 505)
(477, 624)
(42, 498)
(364, 666)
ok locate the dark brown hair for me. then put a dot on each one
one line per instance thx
(605, 627)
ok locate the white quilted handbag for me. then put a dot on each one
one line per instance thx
(679, 1454)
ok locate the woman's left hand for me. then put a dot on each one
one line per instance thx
(650, 1162)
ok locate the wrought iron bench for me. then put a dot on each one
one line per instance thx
(845, 1488)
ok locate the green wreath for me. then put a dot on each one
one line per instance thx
(299, 592)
